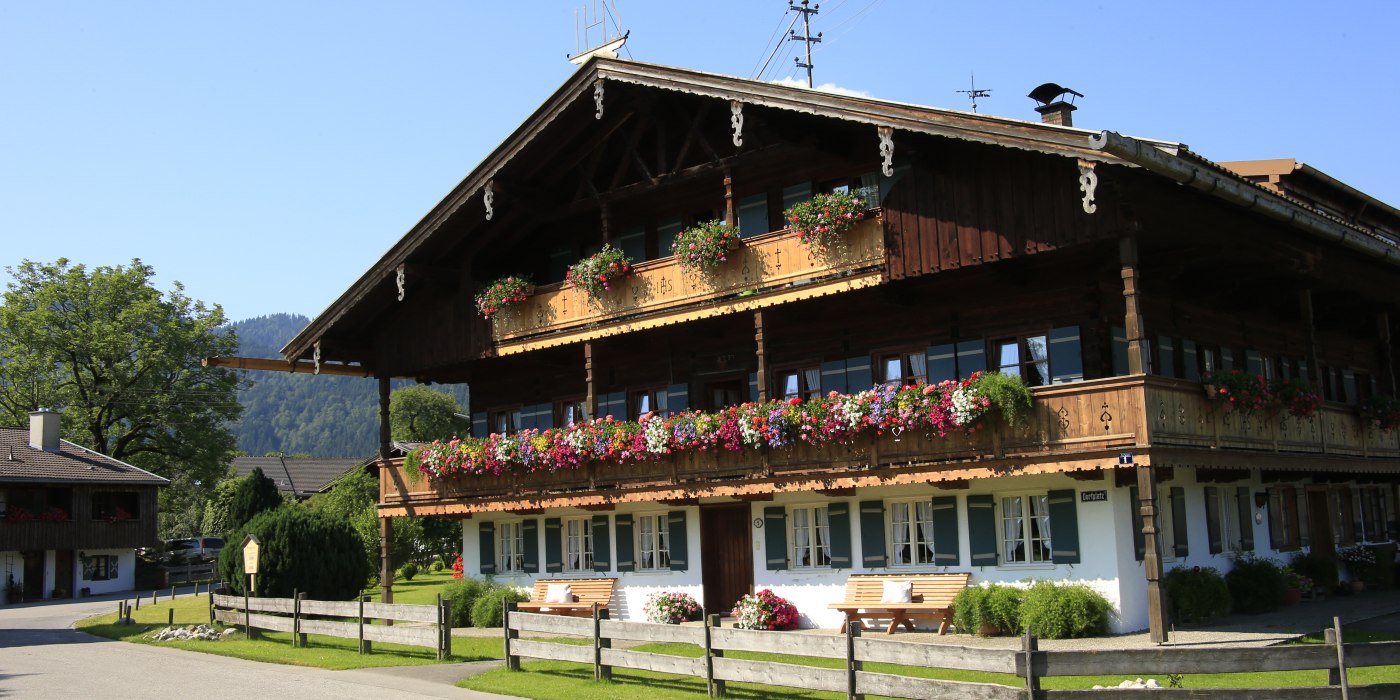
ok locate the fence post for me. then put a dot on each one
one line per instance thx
(155, 597)
(600, 672)
(172, 592)
(1030, 646)
(1341, 658)
(853, 666)
(138, 603)
(716, 686)
(1329, 638)
(247, 616)
(121, 610)
(365, 647)
(211, 605)
(170, 617)
(512, 661)
(445, 626)
(296, 618)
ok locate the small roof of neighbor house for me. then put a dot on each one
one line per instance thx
(299, 476)
(20, 463)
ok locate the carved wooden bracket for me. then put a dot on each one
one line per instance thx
(886, 150)
(736, 120)
(316, 357)
(488, 197)
(598, 99)
(1088, 182)
(399, 280)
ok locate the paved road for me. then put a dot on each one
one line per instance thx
(41, 656)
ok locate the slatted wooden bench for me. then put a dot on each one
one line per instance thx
(932, 600)
(586, 592)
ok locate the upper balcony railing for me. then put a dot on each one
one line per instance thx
(765, 270)
(76, 534)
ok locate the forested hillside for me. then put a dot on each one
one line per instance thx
(319, 416)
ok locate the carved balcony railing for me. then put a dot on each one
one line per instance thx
(765, 270)
(76, 534)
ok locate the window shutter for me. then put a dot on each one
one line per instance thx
(945, 531)
(1139, 540)
(544, 416)
(1358, 525)
(1182, 548)
(1120, 350)
(775, 537)
(838, 517)
(942, 363)
(1213, 520)
(527, 417)
(972, 357)
(858, 376)
(623, 524)
(1277, 541)
(486, 541)
(1064, 527)
(753, 386)
(1392, 526)
(602, 555)
(1246, 513)
(678, 398)
(834, 377)
(1190, 365)
(675, 522)
(872, 534)
(614, 404)
(1303, 539)
(529, 530)
(982, 530)
(479, 427)
(1066, 358)
(553, 545)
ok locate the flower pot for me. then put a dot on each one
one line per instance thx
(1292, 596)
(1357, 585)
(988, 629)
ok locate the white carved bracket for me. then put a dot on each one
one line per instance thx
(316, 357)
(736, 120)
(598, 99)
(488, 197)
(887, 150)
(399, 280)
(1088, 182)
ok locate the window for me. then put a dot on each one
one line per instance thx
(570, 411)
(723, 393)
(1341, 511)
(510, 548)
(102, 567)
(798, 383)
(753, 215)
(811, 538)
(559, 261)
(911, 533)
(903, 368)
(1374, 516)
(115, 506)
(643, 401)
(633, 243)
(1027, 358)
(578, 544)
(1285, 525)
(653, 543)
(956, 360)
(1025, 529)
(505, 421)
(1223, 519)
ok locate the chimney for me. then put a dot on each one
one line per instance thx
(1053, 107)
(43, 430)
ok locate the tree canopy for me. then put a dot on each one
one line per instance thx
(121, 361)
(420, 414)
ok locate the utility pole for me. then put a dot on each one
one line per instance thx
(806, 34)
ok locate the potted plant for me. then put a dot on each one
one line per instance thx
(765, 610)
(821, 221)
(1237, 391)
(1301, 399)
(597, 273)
(502, 293)
(13, 592)
(705, 246)
(1382, 411)
(671, 608)
(1295, 586)
(1358, 559)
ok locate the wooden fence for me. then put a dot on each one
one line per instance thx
(190, 573)
(1030, 664)
(429, 625)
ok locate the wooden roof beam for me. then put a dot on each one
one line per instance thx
(298, 367)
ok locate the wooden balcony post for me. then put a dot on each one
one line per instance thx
(1151, 558)
(386, 559)
(729, 197)
(1132, 317)
(1305, 309)
(762, 355)
(385, 440)
(1387, 352)
(590, 399)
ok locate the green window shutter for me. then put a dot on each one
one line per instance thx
(872, 534)
(945, 531)
(602, 556)
(1183, 548)
(982, 530)
(553, 545)
(1139, 541)
(838, 517)
(1246, 511)
(775, 537)
(1066, 357)
(675, 522)
(544, 416)
(753, 386)
(677, 398)
(486, 539)
(529, 530)
(480, 428)
(972, 357)
(1064, 527)
(942, 363)
(623, 524)
(1213, 520)
(834, 376)
(858, 375)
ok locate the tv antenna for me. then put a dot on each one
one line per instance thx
(587, 24)
(975, 92)
(806, 37)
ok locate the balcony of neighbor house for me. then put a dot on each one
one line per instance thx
(765, 270)
(1081, 428)
(64, 518)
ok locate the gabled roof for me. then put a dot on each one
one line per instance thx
(71, 464)
(297, 475)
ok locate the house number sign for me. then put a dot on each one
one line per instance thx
(1090, 496)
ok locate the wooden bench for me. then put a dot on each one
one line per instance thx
(586, 592)
(932, 600)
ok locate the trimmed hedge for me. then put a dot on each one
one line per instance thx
(1256, 585)
(486, 611)
(1067, 611)
(1196, 594)
(463, 594)
(301, 551)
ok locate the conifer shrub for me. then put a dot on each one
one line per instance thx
(254, 494)
(1068, 611)
(408, 571)
(301, 551)
(463, 594)
(1256, 585)
(1195, 594)
(486, 611)
(437, 566)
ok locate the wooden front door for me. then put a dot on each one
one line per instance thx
(33, 575)
(1320, 536)
(726, 555)
(63, 573)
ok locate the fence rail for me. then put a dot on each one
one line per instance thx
(190, 573)
(1029, 663)
(344, 619)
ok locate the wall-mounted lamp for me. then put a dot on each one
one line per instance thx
(1261, 499)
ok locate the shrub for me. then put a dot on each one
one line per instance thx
(1196, 594)
(1065, 611)
(705, 246)
(436, 566)
(821, 220)
(408, 571)
(1321, 570)
(1007, 393)
(502, 293)
(1256, 585)
(1004, 605)
(486, 611)
(765, 610)
(670, 608)
(971, 609)
(301, 550)
(596, 273)
(253, 495)
(463, 595)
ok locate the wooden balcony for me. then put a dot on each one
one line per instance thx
(765, 270)
(76, 534)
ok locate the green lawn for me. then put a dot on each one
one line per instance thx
(276, 647)
(552, 679)
(422, 590)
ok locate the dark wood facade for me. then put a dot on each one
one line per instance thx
(89, 520)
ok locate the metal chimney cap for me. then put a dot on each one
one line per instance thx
(1050, 92)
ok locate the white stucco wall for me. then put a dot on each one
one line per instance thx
(126, 572)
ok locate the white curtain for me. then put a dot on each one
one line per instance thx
(1043, 519)
(925, 511)
(814, 380)
(800, 537)
(823, 538)
(1036, 348)
(899, 520)
(574, 540)
(648, 546)
(1015, 533)
(918, 368)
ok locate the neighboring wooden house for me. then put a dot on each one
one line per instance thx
(70, 518)
(1110, 272)
(302, 477)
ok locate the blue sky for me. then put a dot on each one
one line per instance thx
(266, 154)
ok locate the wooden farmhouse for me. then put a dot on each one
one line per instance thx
(1111, 274)
(70, 518)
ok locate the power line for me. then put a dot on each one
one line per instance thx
(777, 46)
(806, 37)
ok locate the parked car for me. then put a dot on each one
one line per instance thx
(193, 549)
